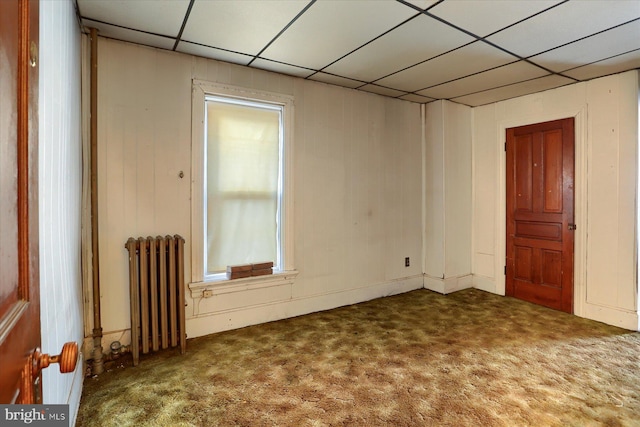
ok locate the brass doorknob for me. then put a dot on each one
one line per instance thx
(67, 359)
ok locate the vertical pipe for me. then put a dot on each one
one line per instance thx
(133, 247)
(97, 367)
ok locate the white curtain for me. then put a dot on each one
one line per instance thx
(243, 145)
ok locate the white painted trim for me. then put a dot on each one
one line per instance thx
(443, 113)
(245, 316)
(637, 207)
(581, 156)
(580, 212)
(472, 254)
(200, 89)
(209, 289)
(484, 283)
(610, 315)
(75, 395)
(197, 178)
(423, 141)
(448, 285)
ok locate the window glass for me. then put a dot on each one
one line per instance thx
(243, 183)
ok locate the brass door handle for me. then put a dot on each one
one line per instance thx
(68, 358)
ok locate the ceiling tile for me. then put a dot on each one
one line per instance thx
(462, 62)
(278, 67)
(118, 33)
(331, 29)
(565, 23)
(417, 40)
(513, 91)
(335, 80)
(507, 74)
(604, 45)
(381, 90)
(485, 17)
(422, 4)
(416, 98)
(245, 26)
(160, 17)
(617, 64)
(210, 52)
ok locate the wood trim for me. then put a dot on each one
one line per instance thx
(23, 152)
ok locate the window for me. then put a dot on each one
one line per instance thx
(241, 188)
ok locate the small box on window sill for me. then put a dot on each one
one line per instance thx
(262, 272)
(262, 265)
(262, 268)
(238, 271)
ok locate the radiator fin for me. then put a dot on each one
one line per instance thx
(156, 283)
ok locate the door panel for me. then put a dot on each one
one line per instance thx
(19, 281)
(539, 210)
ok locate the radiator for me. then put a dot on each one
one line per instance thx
(156, 283)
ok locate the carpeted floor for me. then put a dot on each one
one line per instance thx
(418, 359)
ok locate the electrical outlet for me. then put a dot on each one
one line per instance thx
(407, 262)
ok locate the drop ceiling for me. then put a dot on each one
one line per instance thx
(472, 52)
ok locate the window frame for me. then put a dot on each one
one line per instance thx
(200, 91)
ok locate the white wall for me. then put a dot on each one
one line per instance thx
(357, 186)
(60, 181)
(447, 196)
(606, 176)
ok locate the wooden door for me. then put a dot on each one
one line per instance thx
(19, 281)
(540, 193)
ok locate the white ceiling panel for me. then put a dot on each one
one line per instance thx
(164, 17)
(331, 29)
(507, 74)
(514, 90)
(417, 40)
(281, 68)
(613, 65)
(565, 23)
(462, 62)
(604, 45)
(243, 26)
(209, 52)
(422, 4)
(382, 90)
(335, 80)
(132, 36)
(485, 17)
(391, 47)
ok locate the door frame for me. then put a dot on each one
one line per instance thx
(580, 198)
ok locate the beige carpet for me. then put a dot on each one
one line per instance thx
(418, 359)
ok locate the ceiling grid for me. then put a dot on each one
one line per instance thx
(472, 52)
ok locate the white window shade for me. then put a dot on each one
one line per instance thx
(243, 151)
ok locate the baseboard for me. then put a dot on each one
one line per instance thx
(484, 283)
(76, 391)
(611, 316)
(208, 323)
(448, 285)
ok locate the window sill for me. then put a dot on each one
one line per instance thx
(211, 288)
